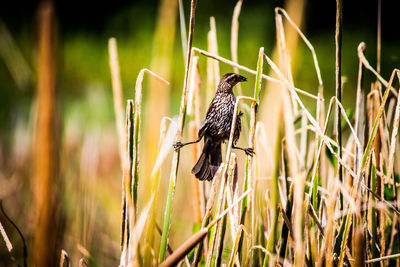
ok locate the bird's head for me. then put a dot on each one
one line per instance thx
(229, 80)
(232, 78)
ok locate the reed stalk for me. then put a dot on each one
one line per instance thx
(175, 160)
(117, 94)
(47, 133)
(338, 80)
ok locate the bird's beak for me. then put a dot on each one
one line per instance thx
(242, 79)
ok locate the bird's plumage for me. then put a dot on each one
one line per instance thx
(216, 128)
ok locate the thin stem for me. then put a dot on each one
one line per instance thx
(181, 121)
(338, 76)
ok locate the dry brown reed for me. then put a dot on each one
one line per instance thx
(46, 183)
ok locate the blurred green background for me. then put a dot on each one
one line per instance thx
(85, 94)
(85, 26)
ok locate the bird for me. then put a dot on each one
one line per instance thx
(216, 128)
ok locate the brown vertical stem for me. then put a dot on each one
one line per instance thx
(380, 220)
(338, 76)
(46, 177)
(378, 40)
(359, 248)
(195, 182)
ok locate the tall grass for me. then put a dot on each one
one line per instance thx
(323, 193)
(324, 198)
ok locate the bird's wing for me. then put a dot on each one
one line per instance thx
(211, 109)
(209, 118)
(203, 128)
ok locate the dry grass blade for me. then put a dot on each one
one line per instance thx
(314, 215)
(361, 48)
(233, 64)
(211, 198)
(167, 137)
(290, 108)
(309, 116)
(5, 238)
(234, 259)
(136, 232)
(358, 116)
(327, 246)
(185, 248)
(234, 219)
(383, 258)
(317, 157)
(306, 41)
(24, 247)
(182, 25)
(64, 259)
(127, 179)
(235, 32)
(235, 37)
(213, 44)
(233, 126)
(13, 59)
(194, 88)
(393, 141)
(117, 93)
(223, 213)
(367, 152)
(83, 262)
(137, 123)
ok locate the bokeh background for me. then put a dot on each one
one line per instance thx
(86, 148)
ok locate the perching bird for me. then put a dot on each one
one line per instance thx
(216, 128)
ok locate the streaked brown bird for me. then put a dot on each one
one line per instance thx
(216, 128)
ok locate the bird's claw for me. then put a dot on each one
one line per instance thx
(178, 145)
(249, 151)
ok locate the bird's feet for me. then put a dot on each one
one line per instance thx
(249, 151)
(177, 145)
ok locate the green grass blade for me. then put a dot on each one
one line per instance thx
(175, 160)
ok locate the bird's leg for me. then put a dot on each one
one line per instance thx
(178, 145)
(249, 151)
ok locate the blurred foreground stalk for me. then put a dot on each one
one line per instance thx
(46, 178)
(161, 63)
(273, 102)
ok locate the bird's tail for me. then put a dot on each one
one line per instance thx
(208, 162)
